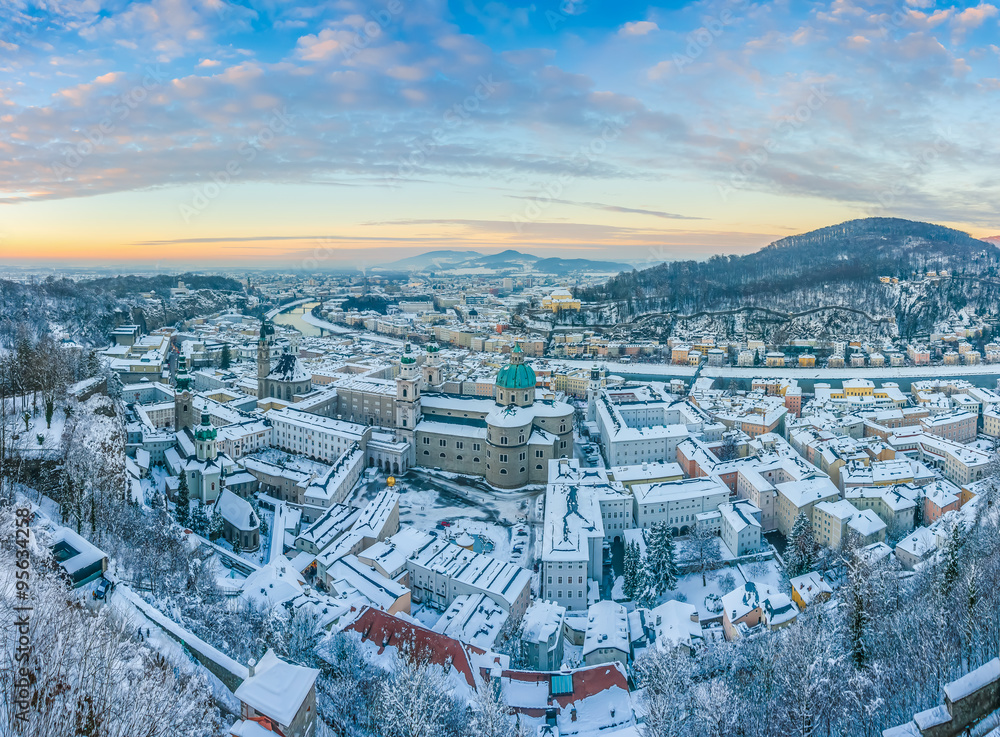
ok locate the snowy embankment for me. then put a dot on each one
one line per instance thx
(817, 374)
(316, 322)
(224, 673)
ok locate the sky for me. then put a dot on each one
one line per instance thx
(325, 134)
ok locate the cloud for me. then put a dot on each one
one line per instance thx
(611, 208)
(638, 28)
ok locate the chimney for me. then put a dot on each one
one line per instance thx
(251, 666)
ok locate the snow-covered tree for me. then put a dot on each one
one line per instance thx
(199, 520)
(491, 717)
(87, 674)
(182, 504)
(216, 526)
(659, 565)
(417, 701)
(703, 548)
(632, 570)
(801, 549)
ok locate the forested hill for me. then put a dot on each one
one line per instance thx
(88, 310)
(854, 252)
(161, 284)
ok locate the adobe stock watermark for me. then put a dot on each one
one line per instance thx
(246, 153)
(119, 110)
(785, 126)
(565, 12)
(381, 18)
(584, 156)
(919, 166)
(458, 114)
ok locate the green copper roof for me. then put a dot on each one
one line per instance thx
(516, 374)
(205, 431)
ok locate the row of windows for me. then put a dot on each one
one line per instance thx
(459, 444)
(569, 579)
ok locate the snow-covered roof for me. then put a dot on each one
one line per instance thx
(236, 511)
(473, 619)
(541, 620)
(277, 689)
(607, 627)
(675, 623)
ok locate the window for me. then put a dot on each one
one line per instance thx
(539, 454)
(427, 441)
(459, 444)
(538, 467)
(404, 392)
(476, 459)
(475, 446)
(522, 456)
(503, 440)
(458, 458)
(443, 443)
(560, 579)
(443, 455)
(503, 457)
(427, 452)
(503, 471)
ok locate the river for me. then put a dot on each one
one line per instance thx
(293, 319)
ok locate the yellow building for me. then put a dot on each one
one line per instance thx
(559, 300)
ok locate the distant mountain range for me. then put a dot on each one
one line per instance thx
(838, 266)
(506, 261)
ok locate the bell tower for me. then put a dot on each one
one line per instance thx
(407, 394)
(432, 367)
(264, 344)
(593, 390)
(183, 397)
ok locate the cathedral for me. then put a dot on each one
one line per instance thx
(286, 378)
(507, 439)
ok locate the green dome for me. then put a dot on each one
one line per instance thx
(516, 374)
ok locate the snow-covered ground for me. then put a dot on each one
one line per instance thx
(51, 437)
(690, 589)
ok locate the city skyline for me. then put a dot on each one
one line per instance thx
(161, 133)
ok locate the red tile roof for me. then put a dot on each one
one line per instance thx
(418, 643)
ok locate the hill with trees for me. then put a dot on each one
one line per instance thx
(836, 266)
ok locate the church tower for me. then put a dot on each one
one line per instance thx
(432, 367)
(407, 395)
(183, 397)
(264, 358)
(593, 390)
(205, 439)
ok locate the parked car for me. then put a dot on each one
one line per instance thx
(103, 589)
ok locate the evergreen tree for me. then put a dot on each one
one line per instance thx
(632, 570)
(215, 527)
(660, 567)
(800, 549)
(183, 503)
(226, 359)
(199, 520)
(646, 587)
(952, 569)
(50, 408)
